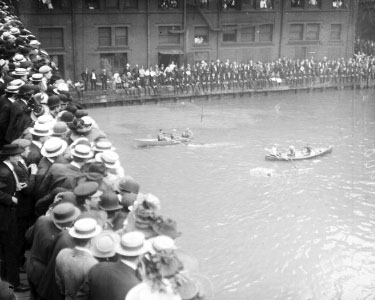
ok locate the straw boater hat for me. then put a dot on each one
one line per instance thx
(17, 82)
(109, 158)
(85, 228)
(36, 77)
(82, 151)
(65, 212)
(101, 146)
(20, 72)
(53, 147)
(12, 89)
(132, 244)
(104, 245)
(41, 130)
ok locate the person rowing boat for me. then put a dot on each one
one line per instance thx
(162, 136)
(188, 134)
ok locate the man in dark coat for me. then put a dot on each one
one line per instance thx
(9, 185)
(85, 77)
(6, 101)
(20, 114)
(39, 134)
(114, 280)
(103, 79)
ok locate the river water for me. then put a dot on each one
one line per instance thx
(260, 229)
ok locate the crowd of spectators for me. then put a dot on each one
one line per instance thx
(229, 75)
(71, 218)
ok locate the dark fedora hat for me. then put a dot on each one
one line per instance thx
(26, 89)
(11, 150)
(109, 201)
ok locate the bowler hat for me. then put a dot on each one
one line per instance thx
(85, 228)
(53, 101)
(65, 212)
(60, 128)
(109, 201)
(26, 89)
(128, 184)
(67, 117)
(11, 150)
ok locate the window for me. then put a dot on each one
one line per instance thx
(92, 4)
(297, 3)
(199, 56)
(168, 4)
(230, 34)
(265, 33)
(121, 36)
(105, 37)
(168, 38)
(52, 37)
(201, 3)
(312, 32)
(248, 34)
(296, 32)
(313, 3)
(201, 35)
(114, 62)
(335, 34)
(248, 4)
(230, 4)
(130, 3)
(111, 4)
(266, 4)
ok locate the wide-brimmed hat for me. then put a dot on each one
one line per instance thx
(46, 119)
(40, 129)
(26, 89)
(132, 244)
(20, 72)
(45, 69)
(12, 89)
(84, 125)
(82, 151)
(53, 147)
(166, 226)
(109, 201)
(40, 110)
(19, 57)
(104, 245)
(195, 286)
(17, 82)
(22, 142)
(65, 212)
(161, 243)
(36, 77)
(85, 228)
(60, 128)
(34, 43)
(101, 146)
(80, 141)
(11, 150)
(109, 158)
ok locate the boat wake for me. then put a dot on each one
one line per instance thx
(213, 145)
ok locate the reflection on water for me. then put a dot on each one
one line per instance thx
(304, 232)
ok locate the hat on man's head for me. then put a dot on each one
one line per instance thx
(132, 244)
(85, 228)
(81, 113)
(53, 101)
(22, 142)
(26, 89)
(11, 150)
(34, 42)
(20, 72)
(84, 124)
(45, 69)
(67, 117)
(128, 184)
(103, 145)
(36, 77)
(109, 202)
(109, 158)
(40, 129)
(17, 82)
(64, 213)
(82, 151)
(60, 128)
(166, 226)
(13, 89)
(86, 189)
(19, 57)
(162, 243)
(53, 147)
(104, 244)
(67, 197)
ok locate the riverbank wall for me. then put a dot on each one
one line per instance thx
(118, 97)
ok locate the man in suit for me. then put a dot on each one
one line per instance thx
(20, 114)
(93, 79)
(6, 101)
(25, 206)
(103, 78)
(64, 175)
(39, 134)
(72, 265)
(85, 78)
(114, 280)
(9, 185)
(42, 237)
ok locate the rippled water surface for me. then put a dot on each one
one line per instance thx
(264, 230)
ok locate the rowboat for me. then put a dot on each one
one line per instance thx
(300, 154)
(156, 142)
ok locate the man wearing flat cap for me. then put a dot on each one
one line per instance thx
(9, 186)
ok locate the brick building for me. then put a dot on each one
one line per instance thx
(109, 33)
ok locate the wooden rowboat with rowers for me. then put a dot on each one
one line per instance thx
(155, 142)
(300, 154)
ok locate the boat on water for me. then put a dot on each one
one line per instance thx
(156, 142)
(300, 154)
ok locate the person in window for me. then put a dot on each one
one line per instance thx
(296, 3)
(263, 4)
(313, 2)
(337, 3)
(162, 136)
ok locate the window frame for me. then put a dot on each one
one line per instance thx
(242, 35)
(226, 34)
(112, 36)
(51, 32)
(270, 32)
(307, 32)
(339, 32)
(168, 36)
(204, 43)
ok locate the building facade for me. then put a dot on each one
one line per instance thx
(97, 34)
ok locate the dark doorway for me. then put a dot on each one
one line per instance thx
(167, 59)
(59, 62)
